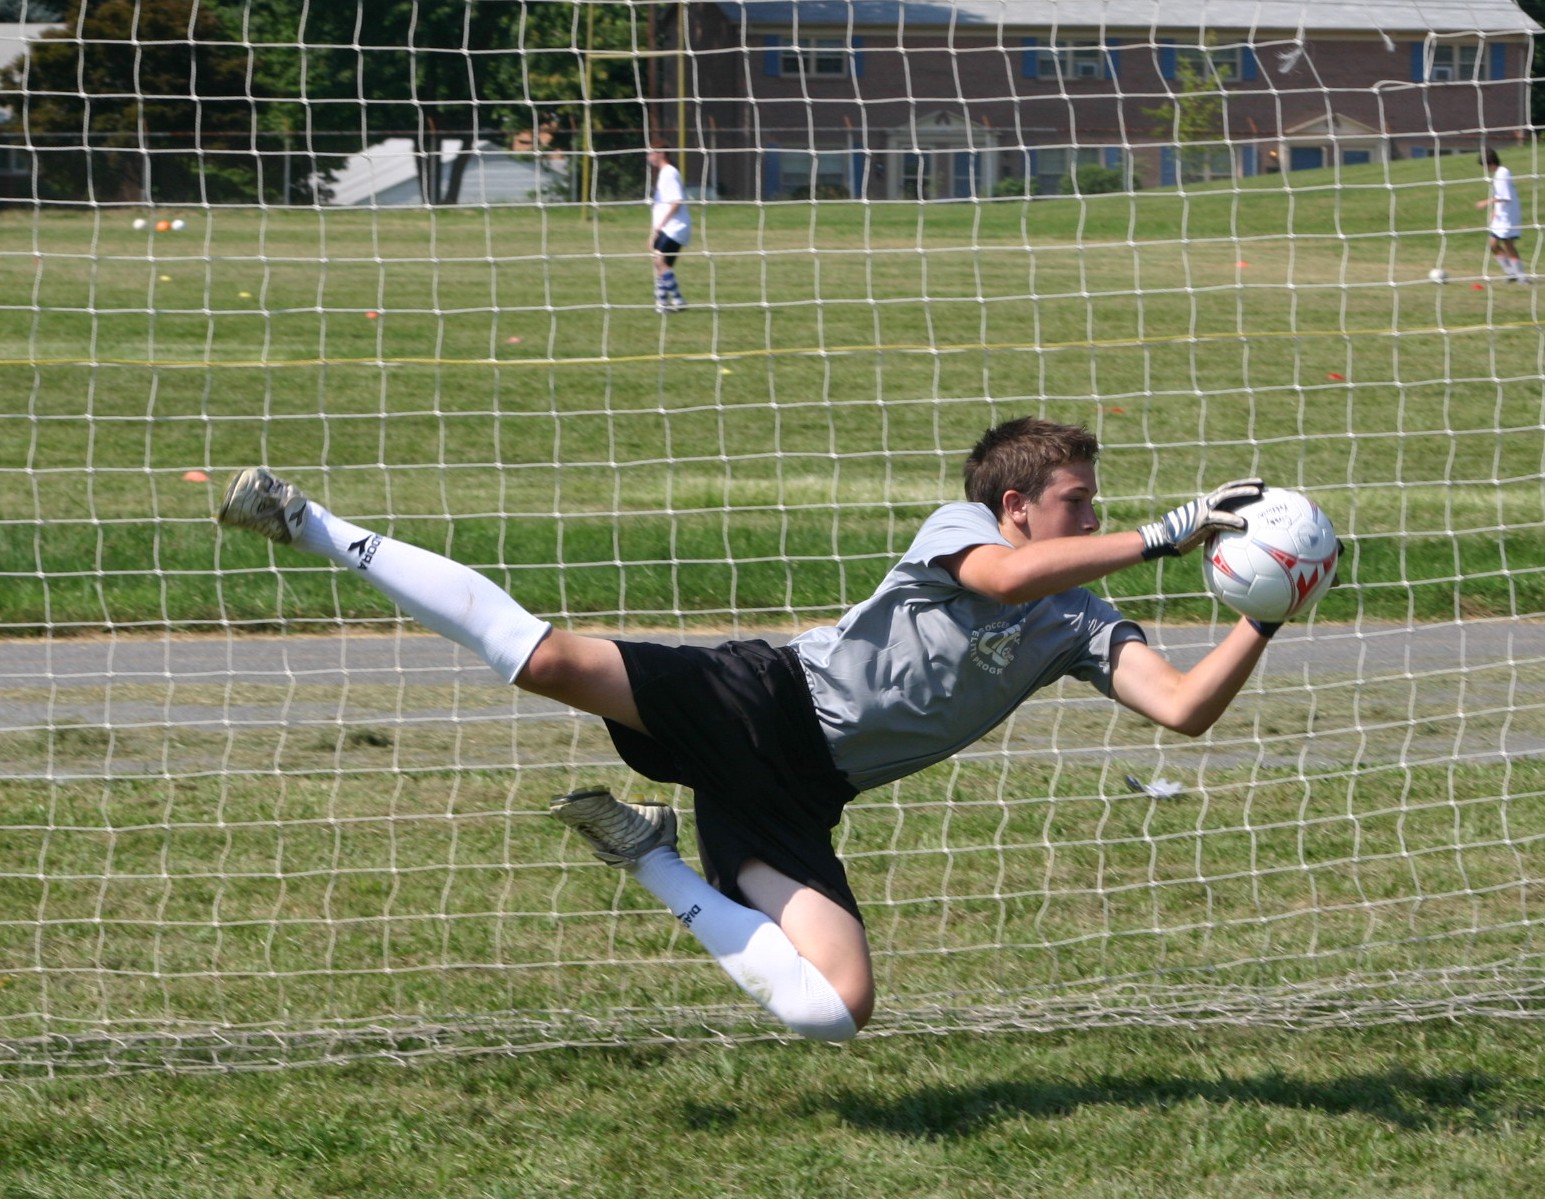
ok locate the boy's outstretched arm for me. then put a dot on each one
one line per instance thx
(1050, 552)
(1186, 701)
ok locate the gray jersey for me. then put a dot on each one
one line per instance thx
(925, 667)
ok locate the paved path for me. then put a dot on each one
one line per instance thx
(1404, 673)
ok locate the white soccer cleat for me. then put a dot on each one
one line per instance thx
(619, 833)
(256, 500)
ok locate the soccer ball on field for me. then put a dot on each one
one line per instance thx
(1281, 564)
(1438, 275)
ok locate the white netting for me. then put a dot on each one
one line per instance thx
(250, 819)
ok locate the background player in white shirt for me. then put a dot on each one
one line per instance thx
(670, 228)
(1506, 217)
(988, 605)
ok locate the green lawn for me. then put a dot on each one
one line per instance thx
(1386, 1113)
(325, 872)
(812, 405)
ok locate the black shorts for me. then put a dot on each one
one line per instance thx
(667, 248)
(736, 724)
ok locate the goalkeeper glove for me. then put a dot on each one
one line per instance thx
(1184, 528)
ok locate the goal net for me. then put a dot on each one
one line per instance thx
(398, 254)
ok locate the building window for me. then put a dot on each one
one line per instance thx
(1220, 63)
(816, 57)
(1076, 60)
(819, 175)
(1451, 63)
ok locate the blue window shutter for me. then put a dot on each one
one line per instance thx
(1030, 59)
(1418, 62)
(772, 56)
(1498, 61)
(858, 58)
(1113, 156)
(1250, 162)
(1249, 67)
(1113, 60)
(772, 172)
(1168, 60)
(860, 188)
(1167, 176)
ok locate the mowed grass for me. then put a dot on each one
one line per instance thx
(515, 400)
(352, 873)
(1408, 1112)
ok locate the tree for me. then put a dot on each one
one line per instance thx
(1194, 117)
(32, 12)
(446, 73)
(248, 100)
(135, 101)
(1536, 10)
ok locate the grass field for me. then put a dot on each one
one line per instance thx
(1408, 1112)
(243, 855)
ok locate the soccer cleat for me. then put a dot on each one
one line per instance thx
(678, 304)
(256, 500)
(619, 833)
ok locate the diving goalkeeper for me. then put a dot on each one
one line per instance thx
(989, 604)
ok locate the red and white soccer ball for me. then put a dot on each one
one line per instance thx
(1281, 564)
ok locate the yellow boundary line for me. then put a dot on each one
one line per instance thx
(788, 352)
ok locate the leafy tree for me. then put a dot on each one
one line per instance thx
(32, 12)
(1536, 9)
(442, 72)
(236, 100)
(145, 101)
(1194, 117)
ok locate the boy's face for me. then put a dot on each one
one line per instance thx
(1066, 507)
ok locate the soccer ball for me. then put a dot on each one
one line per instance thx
(1281, 564)
(1438, 275)
(139, 222)
(178, 225)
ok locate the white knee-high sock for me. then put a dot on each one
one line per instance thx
(751, 948)
(445, 596)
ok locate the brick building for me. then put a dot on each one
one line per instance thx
(890, 100)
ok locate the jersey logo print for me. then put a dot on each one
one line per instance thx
(993, 646)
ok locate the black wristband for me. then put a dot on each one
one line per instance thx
(1264, 627)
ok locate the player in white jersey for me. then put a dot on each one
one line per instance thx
(1506, 217)
(670, 228)
(988, 604)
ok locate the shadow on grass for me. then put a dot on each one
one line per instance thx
(1402, 1099)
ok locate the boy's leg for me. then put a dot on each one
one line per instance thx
(825, 933)
(442, 595)
(662, 293)
(1512, 263)
(1506, 253)
(767, 958)
(820, 985)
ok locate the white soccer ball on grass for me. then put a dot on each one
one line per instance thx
(1281, 564)
(1438, 275)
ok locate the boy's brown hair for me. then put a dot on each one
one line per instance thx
(1021, 455)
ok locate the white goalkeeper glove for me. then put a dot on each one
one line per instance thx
(1184, 528)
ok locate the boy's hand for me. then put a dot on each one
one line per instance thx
(1186, 527)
